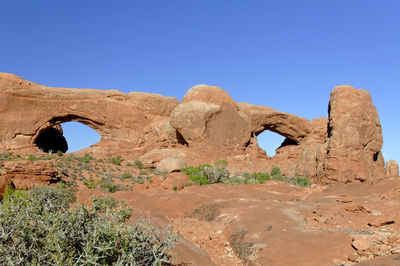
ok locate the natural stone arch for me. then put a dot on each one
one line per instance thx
(27, 109)
(92, 123)
(263, 118)
(49, 137)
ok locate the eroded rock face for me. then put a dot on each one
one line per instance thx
(5, 181)
(27, 109)
(28, 174)
(342, 148)
(208, 116)
(392, 168)
(354, 138)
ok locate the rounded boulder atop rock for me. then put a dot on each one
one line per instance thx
(208, 116)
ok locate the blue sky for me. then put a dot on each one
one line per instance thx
(284, 54)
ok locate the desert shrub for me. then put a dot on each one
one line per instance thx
(59, 153)
(247, 178)
(137, 164)
(91, 184)
(108, 185)
(40, 228)
(31, 158)
(6, 155)
(208, 174)
(115, 160)
(276, 171)
(158, 172)
(298, 181)
(126, 175)
(140, 179)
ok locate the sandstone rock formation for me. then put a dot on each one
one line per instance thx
(28, 174)
(392, 168)
(153, 157)
(5, 181)
(346, 147)
(171, 165)
(28, 109)
(354, 138)
(208, 116)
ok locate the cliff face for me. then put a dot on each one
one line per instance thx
(342, 148)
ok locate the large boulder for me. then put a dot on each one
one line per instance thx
(209, 94)
(209, 117)
(151, 158)
(354, 138)
(392, 168)
(171, 165)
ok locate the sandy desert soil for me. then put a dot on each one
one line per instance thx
(275, 223)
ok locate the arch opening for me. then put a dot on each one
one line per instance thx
(270, 142)
(79, 136)
(68, 133)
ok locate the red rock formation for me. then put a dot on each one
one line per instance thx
(206, 124)
(354, 138)
(392, 168)
(28, 109)
(28, 174)
(209, 117)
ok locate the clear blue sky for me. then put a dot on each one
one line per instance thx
(284, 54)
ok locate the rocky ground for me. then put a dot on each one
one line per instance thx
(275, 223)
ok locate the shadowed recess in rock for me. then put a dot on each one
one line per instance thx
(269, 142)
(52, 140)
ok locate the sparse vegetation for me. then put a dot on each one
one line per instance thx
(137, 164)
(6, 155)
(109, 185)
(208, 174)
(115, 160)
(39, 228)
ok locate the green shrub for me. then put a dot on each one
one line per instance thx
(41, 229)
(299, 181)
(86, 158)
(59, 153)
(6, 155)
(108, 184)
(278, 177)
(197, 174)
(247, 178)
(137, 164)
(126, 175)
(140, 180)
(90, 183)
(207, 174)
(31, 158)
(115, 160)
(276, 171)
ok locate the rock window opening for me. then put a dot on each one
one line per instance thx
(69, 136)
(270, 142)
